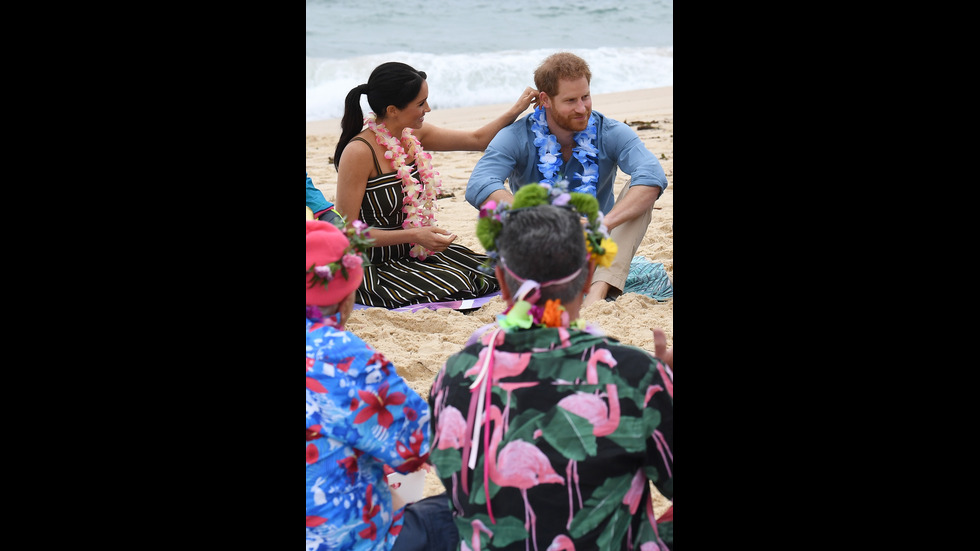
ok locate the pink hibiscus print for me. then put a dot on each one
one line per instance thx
(378, 357)
(350, 467)
(315, 385)
(345, 364)
(370, 510)
(413, 461)
(313, 520)
(377, 404)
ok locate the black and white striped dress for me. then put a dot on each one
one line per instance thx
(395, 279)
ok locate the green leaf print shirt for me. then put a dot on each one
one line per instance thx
(575, 427)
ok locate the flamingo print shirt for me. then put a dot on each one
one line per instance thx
(360, 416)
(574, 428)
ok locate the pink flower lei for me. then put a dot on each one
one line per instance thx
(419, 204)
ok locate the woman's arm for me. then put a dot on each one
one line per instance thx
(434, 138)
(356, 165)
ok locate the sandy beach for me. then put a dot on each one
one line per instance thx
(419, 343)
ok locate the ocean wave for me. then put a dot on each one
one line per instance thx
(465, 80)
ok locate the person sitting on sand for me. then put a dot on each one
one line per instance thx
(546, 432)
(361, 415)
(386, 179)
(564, 139)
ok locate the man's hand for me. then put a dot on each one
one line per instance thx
(660, 349)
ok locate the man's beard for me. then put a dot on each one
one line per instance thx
(571, 125)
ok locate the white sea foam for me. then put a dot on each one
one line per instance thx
(464, 80)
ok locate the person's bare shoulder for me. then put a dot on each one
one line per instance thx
(357, 154)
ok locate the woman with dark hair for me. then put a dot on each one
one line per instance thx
(386, 180)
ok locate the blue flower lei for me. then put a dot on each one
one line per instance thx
(549, 152)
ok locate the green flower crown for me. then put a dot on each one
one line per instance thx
(355, 255)
(492, 217)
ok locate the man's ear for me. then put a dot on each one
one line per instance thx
(588, 281)
(504, 291)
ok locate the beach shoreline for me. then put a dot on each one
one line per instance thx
(631, 105)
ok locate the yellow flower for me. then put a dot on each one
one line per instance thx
(610, 247)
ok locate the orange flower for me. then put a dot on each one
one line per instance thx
(552, 313)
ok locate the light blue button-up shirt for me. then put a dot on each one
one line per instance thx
(512, 156)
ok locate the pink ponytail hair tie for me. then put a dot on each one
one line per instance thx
(533, 287)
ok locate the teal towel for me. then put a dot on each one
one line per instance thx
(648, 278)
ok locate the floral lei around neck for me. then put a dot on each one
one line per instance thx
(419, 204)
(358, 234)
(525, 314)
(549, 152)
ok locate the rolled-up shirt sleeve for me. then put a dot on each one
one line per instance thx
(623, 144)
(505, 158)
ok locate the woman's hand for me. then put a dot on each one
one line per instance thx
(528, 97)
(433, 238)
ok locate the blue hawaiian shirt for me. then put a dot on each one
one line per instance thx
(360, 416)
(315, 199)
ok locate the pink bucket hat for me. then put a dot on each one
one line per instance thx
(328, 255)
